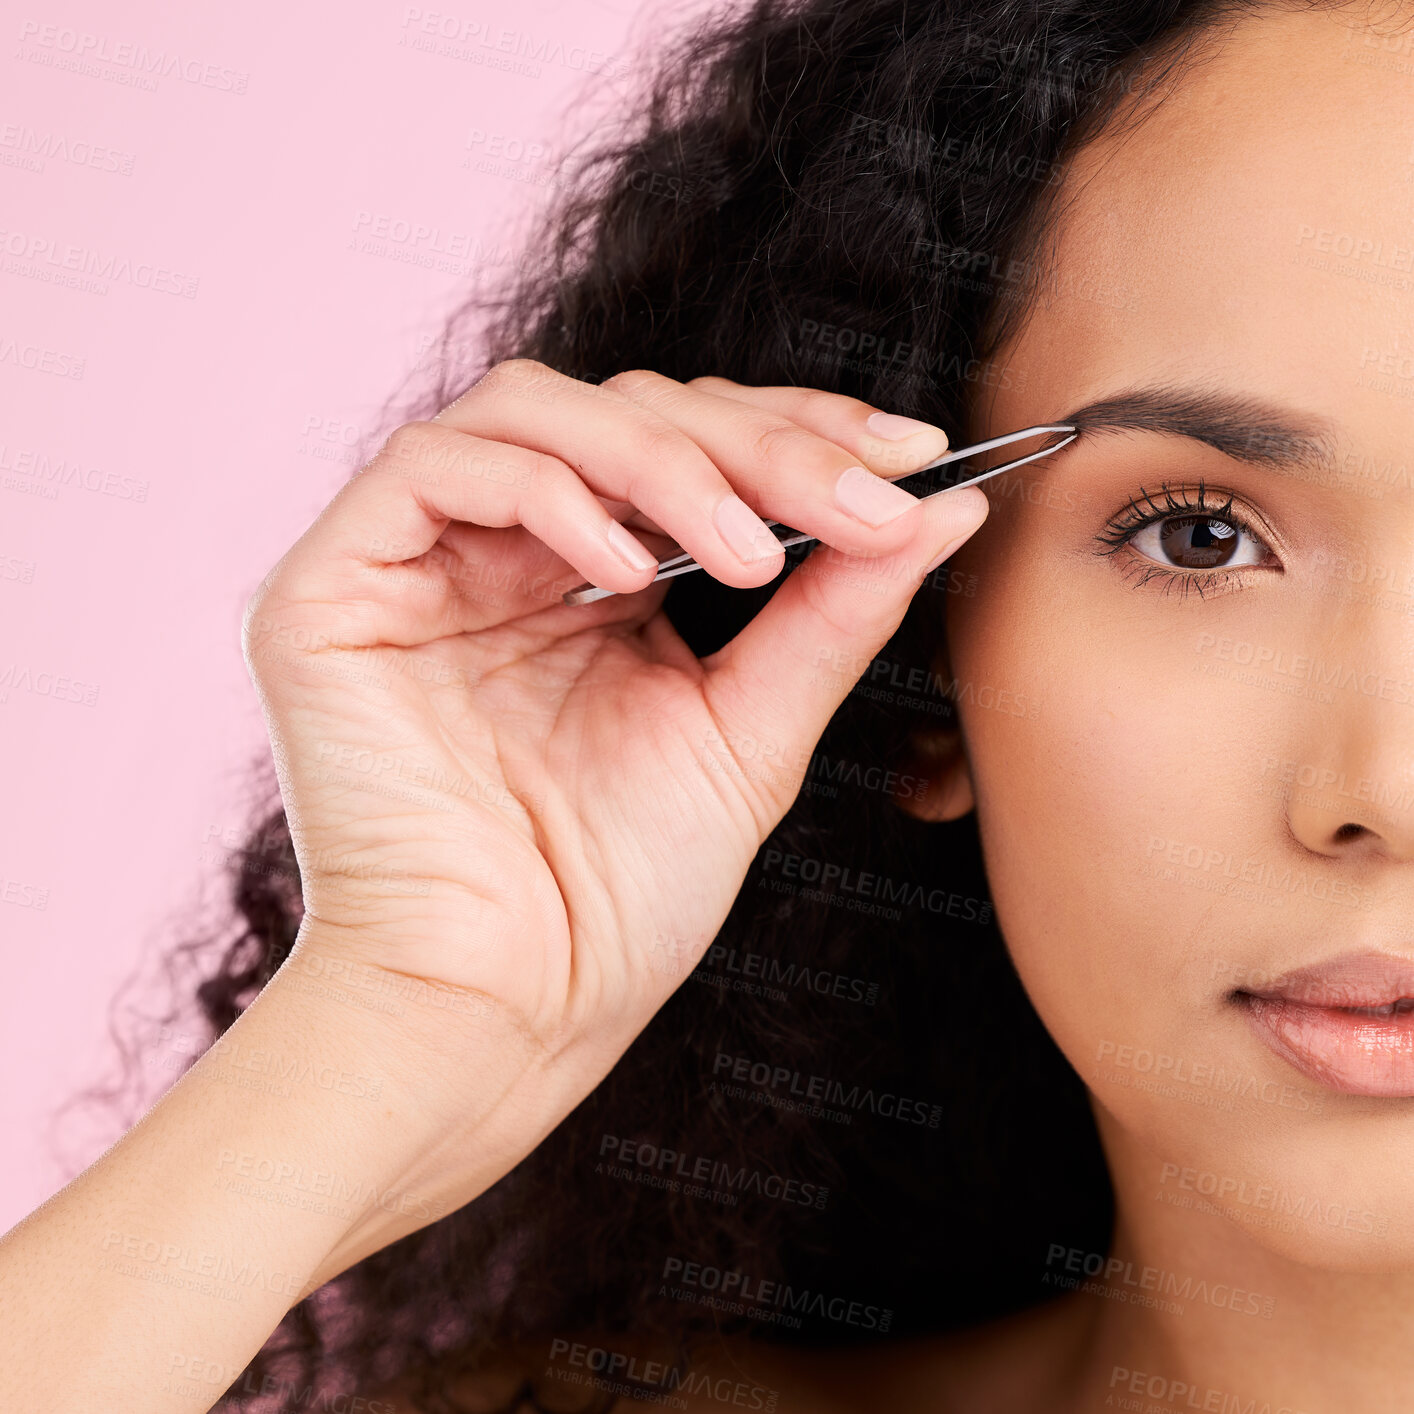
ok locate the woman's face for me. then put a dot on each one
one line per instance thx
(1197, 782)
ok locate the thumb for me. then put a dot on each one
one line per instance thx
(782, 678)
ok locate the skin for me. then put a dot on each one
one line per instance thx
(1197, 214)
(1179, 258)
(570, 800)
(558, 934)
(1189, 228)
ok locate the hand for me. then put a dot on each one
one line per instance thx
(551, 807)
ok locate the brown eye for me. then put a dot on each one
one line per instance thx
(1198, 542)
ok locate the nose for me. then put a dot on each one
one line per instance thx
(1353, 796)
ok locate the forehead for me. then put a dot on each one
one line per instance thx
(1251, 229)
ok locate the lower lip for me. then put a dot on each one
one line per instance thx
(1341, 1049)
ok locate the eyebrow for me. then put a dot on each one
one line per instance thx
(1238, 425)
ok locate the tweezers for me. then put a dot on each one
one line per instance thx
(683, 563)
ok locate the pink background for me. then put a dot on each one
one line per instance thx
(243, 339)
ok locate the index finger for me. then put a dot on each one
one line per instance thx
(885, 442)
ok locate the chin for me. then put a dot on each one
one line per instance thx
(1326, 1188)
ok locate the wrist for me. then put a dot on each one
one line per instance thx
(449, 1050)
(443, 1086)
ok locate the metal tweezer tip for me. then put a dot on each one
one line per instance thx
(683, 563)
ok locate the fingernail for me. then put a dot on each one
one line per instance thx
(632, 551)
(892, 428)
(870, 498)
(746, 534)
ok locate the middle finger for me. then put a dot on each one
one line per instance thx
(801, 456)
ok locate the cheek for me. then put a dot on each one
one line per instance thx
(1119, 826)
(1123, 756)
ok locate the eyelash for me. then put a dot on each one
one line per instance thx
(1123, 526)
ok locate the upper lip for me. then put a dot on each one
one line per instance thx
(1360, 979)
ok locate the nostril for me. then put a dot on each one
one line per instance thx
(1349, 830)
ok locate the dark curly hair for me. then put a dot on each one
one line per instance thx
(838, 193)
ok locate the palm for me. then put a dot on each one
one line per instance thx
(561, 791)
(539, 802)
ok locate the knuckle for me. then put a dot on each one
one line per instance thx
(423, 452)
(284, 618)
(256, 625)
(406, 443)
(659, 441)
(542, 474)
(635, 381)
(642, 386)
(780, 445)
(512, 373)
(249, 618)
(516, 378)
(817, 404)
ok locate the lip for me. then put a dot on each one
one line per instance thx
(1347, 1024)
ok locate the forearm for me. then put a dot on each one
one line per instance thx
(284, 1153)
